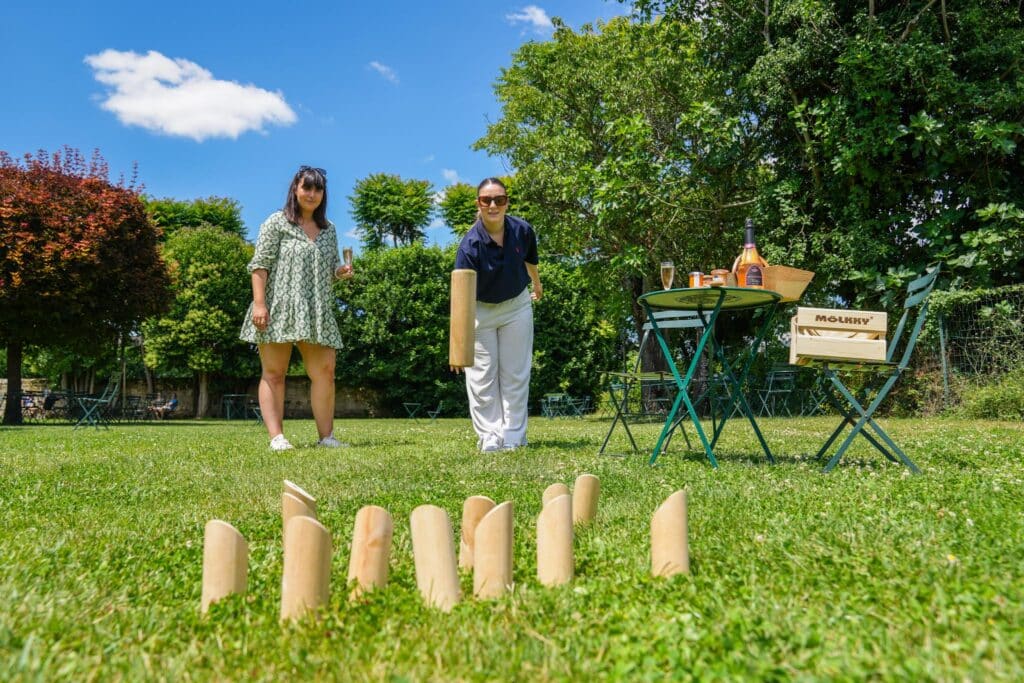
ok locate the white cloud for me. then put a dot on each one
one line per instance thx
(384, 70)
(534, 17)
(354, 233)
(180, 98)
(450, 176)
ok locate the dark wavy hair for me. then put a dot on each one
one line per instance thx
(309, 177)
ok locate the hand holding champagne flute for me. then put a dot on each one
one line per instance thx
(345, 271)
(668, 273)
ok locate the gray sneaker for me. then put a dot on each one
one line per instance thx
(330, 442)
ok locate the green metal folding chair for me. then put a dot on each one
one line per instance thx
(886, 374)
(95, 409)
(775, 393)
(620, 385)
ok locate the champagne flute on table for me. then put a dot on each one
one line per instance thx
(668, 273)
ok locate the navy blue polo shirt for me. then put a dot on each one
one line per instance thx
(500, 271)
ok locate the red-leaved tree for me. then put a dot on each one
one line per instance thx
(78, 257)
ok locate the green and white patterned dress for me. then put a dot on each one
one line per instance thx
(299, 295)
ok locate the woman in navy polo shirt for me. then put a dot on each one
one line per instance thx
(503, 251)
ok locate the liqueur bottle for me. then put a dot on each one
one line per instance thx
(749, 266)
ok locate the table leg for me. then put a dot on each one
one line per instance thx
(683, 383)
(736, 395)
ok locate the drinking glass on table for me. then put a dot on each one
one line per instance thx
(346, 254)
(668, 273)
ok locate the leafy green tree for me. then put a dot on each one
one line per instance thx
(626, 150)
(458, 207)
(211, 294)
(79, 264)
(893, 131)
(386, 206)
(174, 214)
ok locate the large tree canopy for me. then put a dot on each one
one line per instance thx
(199, 334)
(893, 129)
(78, 257)
(626, 150)
(386, 206)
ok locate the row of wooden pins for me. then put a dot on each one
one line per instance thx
(485, 548)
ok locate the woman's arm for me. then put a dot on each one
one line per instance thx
(538, 288)
(260, 314)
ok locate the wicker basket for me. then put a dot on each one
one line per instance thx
(789, 282)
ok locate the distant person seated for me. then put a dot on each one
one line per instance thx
(29, 407)
(162, 410)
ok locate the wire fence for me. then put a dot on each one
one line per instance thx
(976, 336)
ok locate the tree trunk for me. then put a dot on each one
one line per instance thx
(203, 400)
(12, 408)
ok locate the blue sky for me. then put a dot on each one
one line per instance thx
(229, 98)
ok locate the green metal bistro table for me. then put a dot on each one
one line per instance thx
(233, 406)
(710, 302)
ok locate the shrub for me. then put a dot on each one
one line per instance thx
(999, 400)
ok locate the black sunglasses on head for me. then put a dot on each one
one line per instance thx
(303, 169)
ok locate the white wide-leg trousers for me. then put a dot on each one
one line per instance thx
(498, 384)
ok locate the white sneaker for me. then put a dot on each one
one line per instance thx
(330, 442)
(279, 443)
(490, 446)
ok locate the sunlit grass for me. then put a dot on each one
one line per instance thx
(865, 572)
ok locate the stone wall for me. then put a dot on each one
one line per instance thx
(348, 402)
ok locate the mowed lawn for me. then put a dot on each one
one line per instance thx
(866, 572)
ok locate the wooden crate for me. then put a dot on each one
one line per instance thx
(837, 334)
(789, 282)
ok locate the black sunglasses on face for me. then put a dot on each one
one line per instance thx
(497, 200)
(303, 169)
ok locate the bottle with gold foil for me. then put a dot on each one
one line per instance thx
(749, 266)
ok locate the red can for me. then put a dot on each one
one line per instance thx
(696, 279)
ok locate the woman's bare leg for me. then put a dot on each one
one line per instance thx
(319, 362)
(274, 362)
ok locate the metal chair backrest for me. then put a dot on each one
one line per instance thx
(668, 320)
(109, 391)
(914, 307)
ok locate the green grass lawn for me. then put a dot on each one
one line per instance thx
(866, 572)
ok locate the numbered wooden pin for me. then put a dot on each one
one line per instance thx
(306, 580)
(492, 553)
(299, 493)
(225, 563)
(670, 547)
(473, 510)
(552, 492)
(293, 506)
(555, 564)
(371, 550)
(433, 550)
(585, 493)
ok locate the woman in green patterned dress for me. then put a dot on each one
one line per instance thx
(296, 260)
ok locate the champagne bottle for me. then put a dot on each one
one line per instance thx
(749, 265)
